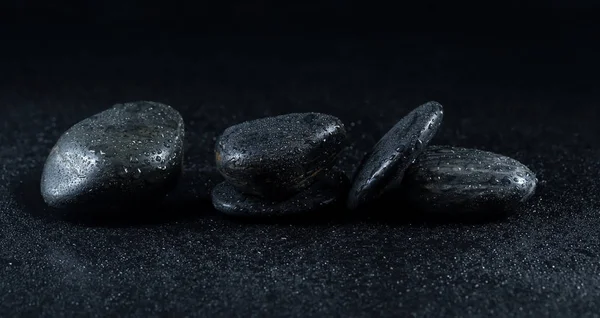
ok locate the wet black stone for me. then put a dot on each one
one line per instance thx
(276, 157)
(129, 154)
(449, 179)
(381, 170)
(328, 192)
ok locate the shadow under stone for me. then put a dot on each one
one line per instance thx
(397, 209)
(332, 215)
(185, 202)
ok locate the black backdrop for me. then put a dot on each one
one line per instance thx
(520, 80)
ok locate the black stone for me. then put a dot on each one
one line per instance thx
(129, 154)
(449, 179)
(381, 169)
(276, 157)
(328, 192)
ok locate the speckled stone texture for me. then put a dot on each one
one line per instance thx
(328, 192)
(534, 100)
(275, 157)
(126, 155)
(382, 169)
(447, 179)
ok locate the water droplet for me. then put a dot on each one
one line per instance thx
(137, 173)
(157, 158)
(133, 159)
(123, 172)
(419, 144)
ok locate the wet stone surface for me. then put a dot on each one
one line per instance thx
(451, 179)
(125, 155)
(381, 170)
(326, 193)
(276, 157)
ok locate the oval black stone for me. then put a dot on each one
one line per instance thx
(327, 192)
(382, 169)
(127, 154)
(276, 157)
(450, 179)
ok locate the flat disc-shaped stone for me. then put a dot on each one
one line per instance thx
(328, 191)
(450, 179)
(278, 156)
(130, 153)
(383, 167)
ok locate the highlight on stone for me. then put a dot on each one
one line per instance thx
(270, 163)
(383, 167)
(126, 155)
(447, 179)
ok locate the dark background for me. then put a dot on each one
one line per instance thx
(520, 79)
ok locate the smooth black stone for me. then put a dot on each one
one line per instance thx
(327, 192)
(381, 169)
(276, 157)
(129, 153)
(459, 180)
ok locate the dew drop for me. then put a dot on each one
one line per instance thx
(123, 172)
(419, 144)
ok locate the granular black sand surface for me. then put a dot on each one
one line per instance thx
(531, 100)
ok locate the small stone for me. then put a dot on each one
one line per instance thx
(327, 192)
(127, 154)
(450, 179)
(276, 157)
(381, 170)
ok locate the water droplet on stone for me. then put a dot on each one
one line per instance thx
(137, 173)
(123, 171)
